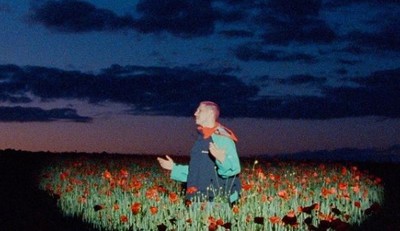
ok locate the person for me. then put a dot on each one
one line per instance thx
(214, 164)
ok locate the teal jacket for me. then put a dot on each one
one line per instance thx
(228, 168)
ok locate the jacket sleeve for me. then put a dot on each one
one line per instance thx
(231, 165)
(179, 172)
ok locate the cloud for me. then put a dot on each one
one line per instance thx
(341, 3)
(181, 18)
(282, 22)
(237, 33)
(302, 79)
(386, 39)
(254, 52)
(294, 21)
(77, 16)
(148, 90)
(4, 7)
(177, 91)
(35, 114)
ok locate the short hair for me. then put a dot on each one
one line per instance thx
(213, 106)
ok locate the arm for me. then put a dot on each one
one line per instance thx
(178, 172)
(229, 165)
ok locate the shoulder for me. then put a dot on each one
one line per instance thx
(222, 138)
(225, 132)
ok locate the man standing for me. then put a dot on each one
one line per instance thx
(214, 163)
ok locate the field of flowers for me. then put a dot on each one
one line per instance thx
(134, 193)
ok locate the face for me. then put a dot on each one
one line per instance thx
(203, 115)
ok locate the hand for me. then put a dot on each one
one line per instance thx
(166, 163)
(218, 153)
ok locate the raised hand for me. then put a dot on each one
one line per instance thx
(167, 163)
(218, 153)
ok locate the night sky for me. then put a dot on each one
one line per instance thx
(126, 76)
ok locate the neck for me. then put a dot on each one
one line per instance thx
(210, 124)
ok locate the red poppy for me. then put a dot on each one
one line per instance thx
(283, 194)
(135, 184)
(188, 203)
(326, 217)
(191, 190)
(63, 175)
(152, 193)
(153, 210)
(136, 207)
(116, 206)
(325, 192)
(235, 209)
(107, 174)
(356, 188)
(246, 186)
(274, 219)
(343, 186)
(123, 218)
(344, 170)
(357, 204)
(377, 180)
(173, 197)
(123, 173)
(220, 221)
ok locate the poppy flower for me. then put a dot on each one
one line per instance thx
(135, 184)
(152, 193)
(357, 204)
(246, 186)
(356, 188)
(283, 194)
(343, 186)
(63, 175)
(123, 173)
(153, 209)
(116, 206)
(220, 221)
(123, 218)
(274, 219)
(191, 190)
(188, 203)
(235, 209)
(173, 197)
(344, 171)
(136, 207)
(212, 227)
(107, 175)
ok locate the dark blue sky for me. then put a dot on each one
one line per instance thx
(83, 63)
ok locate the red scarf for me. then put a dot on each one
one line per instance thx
(207, 132)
